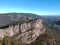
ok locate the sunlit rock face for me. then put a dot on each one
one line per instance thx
(6, 32)
(16, 29)
(35, 29)
(29, 31)
(1, 33)
(9, 31)
(23, 27)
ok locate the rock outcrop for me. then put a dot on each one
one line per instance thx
(29, 32)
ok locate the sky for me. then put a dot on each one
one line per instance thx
(40, 7)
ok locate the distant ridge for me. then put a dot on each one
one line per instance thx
(7, 18)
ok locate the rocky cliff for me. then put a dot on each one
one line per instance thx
(28, 31)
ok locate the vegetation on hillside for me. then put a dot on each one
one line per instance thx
(8, 41)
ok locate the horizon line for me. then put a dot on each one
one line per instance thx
(32, 13)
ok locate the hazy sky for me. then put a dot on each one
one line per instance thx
(42, 7)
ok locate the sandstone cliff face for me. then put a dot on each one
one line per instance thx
(29, 31)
